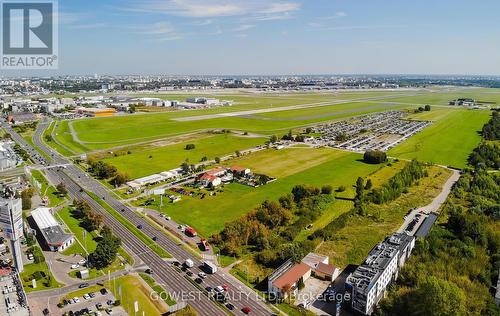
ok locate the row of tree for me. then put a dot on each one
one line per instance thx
(103, 170)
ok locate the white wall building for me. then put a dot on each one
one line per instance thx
(54, 236)
(370, 280)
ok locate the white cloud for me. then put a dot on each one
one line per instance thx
(244, 27)
(161, 31)
(215, 8)
(203, 22)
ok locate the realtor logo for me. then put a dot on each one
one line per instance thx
(29, 35)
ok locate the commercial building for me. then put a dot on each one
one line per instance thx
(51, 232)
(284, 281)
(11, 221)
(96, 112)
(368, 283)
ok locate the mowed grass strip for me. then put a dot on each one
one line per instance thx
(137, 232)
(143, 162)
(448, 141)
(133, 290)
(308, 166)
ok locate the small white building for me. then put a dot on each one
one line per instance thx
(54, 236)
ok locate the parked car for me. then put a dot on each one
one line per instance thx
(246, 310)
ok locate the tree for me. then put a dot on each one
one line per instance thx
(26, 196)
(427, 107)
(368, 184)
(189, 147)
(61, 189)
(359, 199)
(48, 138)
(106, 250)
(238, 153)
(131, 108)
(374, 156)
(439, 297)
(217, 160)
(273, 139)
(120, 179)
(309, 130)
(300, 284)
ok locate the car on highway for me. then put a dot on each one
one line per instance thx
(83, 285)
(139, 226)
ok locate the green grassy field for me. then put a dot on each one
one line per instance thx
(448, 141)
(41, 284)
(324, 166)
(134, 290)
(147, 160)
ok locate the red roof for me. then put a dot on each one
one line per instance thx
(327, 269)
(215, 171)
(208, 177)
(292, 276)
(238, 168)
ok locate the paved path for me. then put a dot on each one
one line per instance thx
(434, 206)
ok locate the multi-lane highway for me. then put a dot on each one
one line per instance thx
(77, 182)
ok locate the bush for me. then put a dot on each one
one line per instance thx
(326, 189)
(190, 147)
(341, 188)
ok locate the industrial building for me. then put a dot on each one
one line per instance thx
(368, 283)
(96, 112)
(49, 229)
(11, 221)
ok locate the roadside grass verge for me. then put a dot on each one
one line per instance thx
(158, 289)
(137, 232)
(133, 290)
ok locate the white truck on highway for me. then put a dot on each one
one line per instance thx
(210, 267)
(189, 263)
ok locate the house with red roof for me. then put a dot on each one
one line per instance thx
(238, 171)
(208, 180)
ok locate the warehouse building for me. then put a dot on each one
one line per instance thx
(49, 229)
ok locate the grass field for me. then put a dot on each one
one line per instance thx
(448, 141)
(307, 166)
(47, 190)
(105, 133)
(134, 290)
(147, 160)
(85, 239)
(41, 284)
(341, 250)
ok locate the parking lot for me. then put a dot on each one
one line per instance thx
(95, 303)
(378, 131)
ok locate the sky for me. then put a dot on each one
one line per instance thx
(289, 37)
